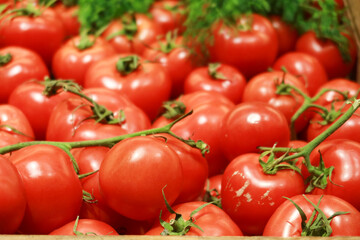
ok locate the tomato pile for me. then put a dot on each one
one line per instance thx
(178, 117)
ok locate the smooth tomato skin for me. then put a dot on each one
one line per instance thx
(13, 197)
(328, 54)
(68, 16)
(147, 87)
(146, 34)
(43, 34)
(49, 204)
(71, 63)
(85, 226)
(212, 220)
(29, 98)
(250, 51)
(133, 174)
(250, 196)
(344, 155)
(24, 65)
(286, 220)
(232, 87)
(340, 84)
(305, 67)
(266, 126)
(287, 35)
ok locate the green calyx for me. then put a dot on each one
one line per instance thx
(5, 59)
(129, 28)
(213, 73)
(173, 109)
(330, 116)
(127, 65)
(85, 41)
(170, 42)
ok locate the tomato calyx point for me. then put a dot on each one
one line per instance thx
(331, 115)
(5, 59)
(170, 42)
(213, 73)
(129, 29)
(77, 233)
(173, 109)
(212, 195)
(128, 64)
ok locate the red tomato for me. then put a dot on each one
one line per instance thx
(344, 156)
(15, 127)
(212, 187)
(251, 125)
(179, 57)
(68, 16)
(70, 121)
(287, 34)
(286, 220)
(23, 65)
(146, 33)
(148, 86)
(252, 50)
(43, 34)
(85, 227)
(304, 66)
(29, 98)
(328, 54)
(12, 197)
(133, 174)
(211, 219)
(69, 62)
(250, 196)
(263, 87)
(52, 188)
(221, 78)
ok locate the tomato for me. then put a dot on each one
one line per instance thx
(86, 227)
(12, 197)
(251, 50)
(250, 196)
(147, 86)
(286, 220)
(263, 88)
(221, 78)
(69, 62)
(68, 16)
(344, 156)
(172, 59)
(328, 54)
(287, 34)
(341, 84)
(71, 120)
(211, 219)
(52, 188)
(146, 32)
(266, 126)
(15, 127)
(29, 98)
(304, 66)
(23, 65)
(43, 34)
(133, 174)
(212, 188)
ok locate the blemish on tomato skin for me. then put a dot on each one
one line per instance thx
(272, 204)
(248, 197)
(242, 189)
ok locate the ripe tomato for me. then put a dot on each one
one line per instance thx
(69, 62)
(250, 196)
(211, 219)
(266, 126)
(328, 54)
(287, 34)
(305, 67)
(221, 78)
(12, 197)
(133, 174)
(52, 188)
(251, 50)
(22, 66)
(85, 227)
(68, 16)
(286, 220)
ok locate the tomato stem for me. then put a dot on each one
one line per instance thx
(127, 65)
(5, 59)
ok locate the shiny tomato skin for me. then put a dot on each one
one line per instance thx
(85, 226)
(147, 87)
(68, 16)
(328, 54)
(212, 220)
(250, 51)
(250, 196)
(231, 87)
(286, 220)
(287, 34)
(13, 197)
(49, 204)
(71, 63)
(133, 174)
(24, 65)
(250, 125)
(305, 67)
(43, 34)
